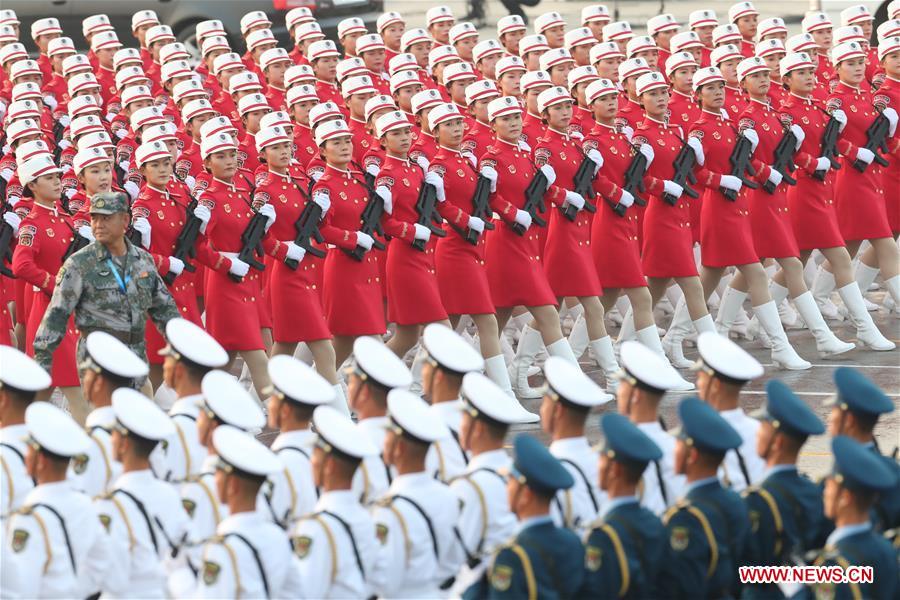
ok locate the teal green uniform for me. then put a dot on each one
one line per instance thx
(859, 545)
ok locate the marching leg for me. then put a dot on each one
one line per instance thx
(867, 333)
(649, 337)
(530, 343)
(678, 330)
(826, 342)
(783, 353)
(495, 369)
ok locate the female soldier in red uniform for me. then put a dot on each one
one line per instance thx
(462, 275)
(44, 237)
(234, 299)
(811, 201)
(515, 273)
(889, 58)
(567, 254)
(726, 233)
(351, 287)
(667, 242)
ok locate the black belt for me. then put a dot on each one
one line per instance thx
(123, 336)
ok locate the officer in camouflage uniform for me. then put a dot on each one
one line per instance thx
(111, 285)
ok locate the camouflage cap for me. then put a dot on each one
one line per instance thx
(109, 203)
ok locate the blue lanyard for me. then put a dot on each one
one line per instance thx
(118, 277)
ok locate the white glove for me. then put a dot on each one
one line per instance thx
(491, 174)
(576, 135)
(626, 199)
(476, 224)
(2, 109)
(51, 102)
(13, 200)
(751, 135)
(238, 267)
(323, 200)
(70, 192)
(672, 188)
(85, 232)
(269, 211)
(142, 226)
(202, 213)
(64, 144)
(471, 158)
(422, 232)
(422, 162)
(316, 174)
(65, 120)
(549, 173)
(823, 164)
(891, 115)
(385, 194)
(132, 189)
(7, 174)
(730, 182)
(373, 170)
(628, 131)
(295, 252)
(524, 146)
(191, 182)
(697, 147)
(595, 156)
(121, 133)
(124, 166)
(176, 265)
(724, 113)
(523, 218)
(365, 240)
(574, 199)
(865, 155)
(110, 116)
(841, 118)
(799, 134)
(13, 220)
(647, 151)
(775, 177)
(438, 182)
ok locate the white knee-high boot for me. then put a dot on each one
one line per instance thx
(627, 331)
(530, 343)
(562, 349)
(826, 342)
(578, 337)
(867, 333)
(340, 399)
(649, 337)
(678, 330)
(783, 353)
(893, 287)
(787, 314)
(865, 276)
(822, 288)
(606, 356)
(495, 369)
(729, 307)
(416, 370)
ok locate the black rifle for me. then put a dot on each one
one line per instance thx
(534, 202)
(877, 135)
(6, 238)
(740, 164)
(426, 205)
(584, 186)
(185, 242)
(480, 207)
(78, 242)
(252, 243)
(634, 180)
(784, 160)
(684, 174)
(370, 223)
(307, 226)
(829, 146)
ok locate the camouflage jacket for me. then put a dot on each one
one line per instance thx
(87, 284)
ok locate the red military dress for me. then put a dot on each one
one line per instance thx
(726, 237)
(683, 110)
(234, 310)
(615, 244)
(44, 237)
(478, 138)
(351, 288)
(295, 295)
(462, 275)
(567, 253)
(811, 201)
(889, 96)
(667, 249)
(411, 283)
(861, 210)
(773, 232)
(515, 272)
(425, 145)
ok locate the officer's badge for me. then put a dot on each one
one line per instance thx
(343, 195)
(309, 150)
(805, 120)
(501, 577)
(562, 155)
(381, 532)
(161, 215)
(19, 540)
(283, 198)
(364, 143)
(302, 545)
(512, 169)
(50, 232)
(211, 572)
(661, 142)
(105, 521)
(26, 235)
(460, 173)
(754, 520)
(765, 127)
(592, 558)
(405, 182)
(227, 208)
(853, 108)
(679, 538)
(80, 463)
(189, 506)
(716, 135)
